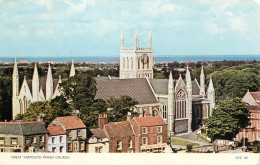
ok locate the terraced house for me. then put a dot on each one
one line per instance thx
(23, 136)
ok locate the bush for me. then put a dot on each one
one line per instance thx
(256, 143)
(189, 147)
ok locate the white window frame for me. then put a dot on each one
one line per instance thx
(258, 116)
(53, 140)
(75, 146)
(258, 136)
(146, 141)
(2, 142)
(34, 139)
(81, 147)
(258, 124)
(159, 129)
(252, 115)
(61, 139)
(131, 144)
(252, 124)
(144, 130)
(42, 139)
(119, 145)
(159, 139)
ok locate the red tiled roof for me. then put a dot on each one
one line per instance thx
(149, 121)
(56, 130)
(119, 129)
(251, 107)
(255, 95)
(71, 122)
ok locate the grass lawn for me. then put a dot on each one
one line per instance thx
(182, 142)
(202, 138)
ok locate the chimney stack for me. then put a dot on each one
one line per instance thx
(147, 114)
(42, 119)
(102, 120)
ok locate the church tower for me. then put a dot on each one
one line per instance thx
(211, 96)
(72, 69)
(15, 85)
(136, 61)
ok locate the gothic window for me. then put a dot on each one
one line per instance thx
(180, 104)
(123, 63)
(127, 63)
(164, 112)
(25, 103)
(132, 63)
(21, 106)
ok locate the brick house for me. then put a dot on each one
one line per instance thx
(76, 132)
(22, 136)
(252, 132)
(57, 140)
(150, 133)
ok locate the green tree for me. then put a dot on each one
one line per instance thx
(158, 76)
(228, 118)
(119, 107)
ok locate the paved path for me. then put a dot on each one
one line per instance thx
(191, 137)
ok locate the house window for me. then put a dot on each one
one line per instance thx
(180, 104)
(2, 150)
(252, 124)
(258, 116)
(144, 130)
(145, 140)
(79, 132)
(119, 145)
(34, 139)
(82, 146)
(130, 144)
(159, 139)
(75, 146)
(69, 146)
(61, 139)
(61, 149)
(53, 149)
(258, 136)
(252, 115)
(53, 140)
(258, 125)
(159, 129)
(2, 141)
(42, 139)
(98, 149)
(69, 133)
(14, 141)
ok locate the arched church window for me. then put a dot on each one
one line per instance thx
(123, 63)
(127, 63)
(25, 103)
(164, 112)
(132, 63)
(180, 104)
(21, 106)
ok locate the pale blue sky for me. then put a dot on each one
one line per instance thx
(93, 27)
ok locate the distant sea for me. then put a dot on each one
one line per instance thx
(157, 59)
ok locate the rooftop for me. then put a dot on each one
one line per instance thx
(149, 121)
(71, 122)
(56, 130)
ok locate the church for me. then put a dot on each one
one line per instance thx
(182, 103)
(37, 89)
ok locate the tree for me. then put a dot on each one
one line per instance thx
(57, 107)
(119, 107)
(228, 118)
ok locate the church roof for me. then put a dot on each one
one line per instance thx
(137, 89)
(195, 88)
(160, 86)
(22, 128)
(42, 81)
(119, 129)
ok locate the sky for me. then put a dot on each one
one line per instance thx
(66, 28)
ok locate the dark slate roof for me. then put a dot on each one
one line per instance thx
(160, 86)
(137, 89)
(98, 133)
(251, 107)
(195, 88)
(119, 129)
(22, 128)
(255, 95)
(42, 81)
